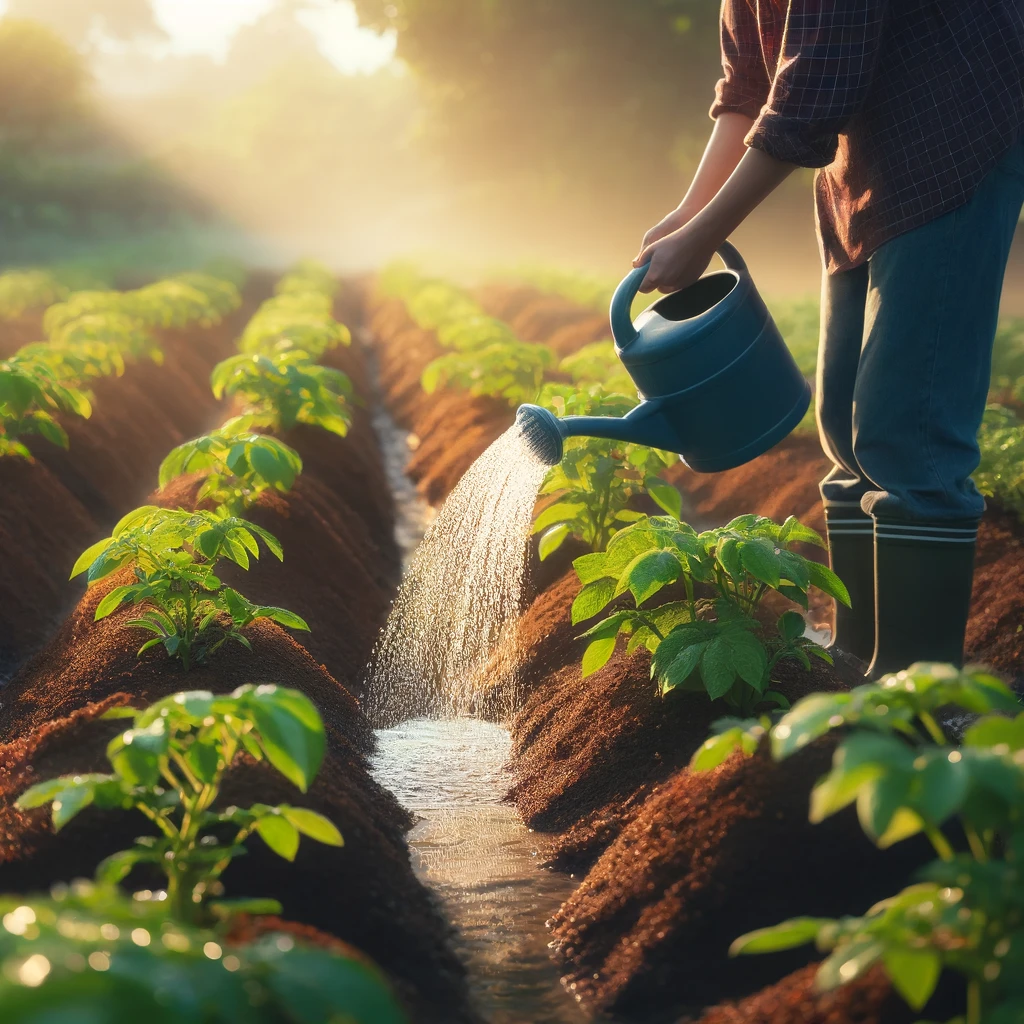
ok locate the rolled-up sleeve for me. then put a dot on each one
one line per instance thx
(825, 70)
(743, 87)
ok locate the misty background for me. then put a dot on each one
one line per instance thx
(478, 133)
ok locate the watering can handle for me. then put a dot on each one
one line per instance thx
(623, 330)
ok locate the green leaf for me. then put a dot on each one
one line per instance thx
(111, 602)
(282, 617)
(760, 560)
(941, 786)
(878, 800)
(914, 973)
(791, 626)
(89, 555)
(681, 667)
(135, 754)
(667, 497)
(118, 866)
(552, 540)
(792, 531)
(648, 573)
(716, 749)
(822, 577)
(592, 599)
(717, 668)
(71, 800)
(279, 834)
(590, 568)
(597, 655)
(749, 658)
(314, 825)
(788, 935)
(561, 511)
(291, 732)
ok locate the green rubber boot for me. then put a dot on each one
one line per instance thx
(923, 577)
(851, 552)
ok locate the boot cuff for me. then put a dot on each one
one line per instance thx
(961, 531)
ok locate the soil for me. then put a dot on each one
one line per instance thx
(56, 506)
(708, 857)
(364, 893)
(22, 330)
(869, 1000)
(540, 317)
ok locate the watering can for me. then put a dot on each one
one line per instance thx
(717, 384)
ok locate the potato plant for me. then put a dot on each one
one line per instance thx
(1000, 474)
(24, 290)
(88, 952)
(282, 390)
(894, 762)
(294, 321)
(239, 465)
(170, 766)
(598, 364)
(598, 480)
(174, 553)
(712, 643)
(32, 393)
(512, 370)
(308, 276)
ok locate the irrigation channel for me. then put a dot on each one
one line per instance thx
(471, 849)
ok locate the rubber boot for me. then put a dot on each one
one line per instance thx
(923, 576)
(851, 552)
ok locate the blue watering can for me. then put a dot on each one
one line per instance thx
(717, 384)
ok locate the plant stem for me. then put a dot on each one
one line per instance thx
(933, 728)
(940, 842)
(974, 1001)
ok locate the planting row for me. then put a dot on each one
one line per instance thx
(261, 741)
(678, 861)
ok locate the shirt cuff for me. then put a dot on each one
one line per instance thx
(730, 99)
(792, 140)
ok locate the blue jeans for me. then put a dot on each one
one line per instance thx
(905, 359)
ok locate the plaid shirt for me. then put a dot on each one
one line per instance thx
(905, 105)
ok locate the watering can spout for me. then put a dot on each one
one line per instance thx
(545, 433)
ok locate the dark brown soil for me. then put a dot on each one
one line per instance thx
(43, 529)
(707, 858)
(22, 330)
(869, 1000)
(540, 317)
(53, 508)
(586, 780)
(364, 893)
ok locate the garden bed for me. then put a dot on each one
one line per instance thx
(339, 570)
(672, 866)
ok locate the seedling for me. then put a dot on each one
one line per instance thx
(598, 480)
(239, 466)
(896, 765)
(283, 390)
(88, 952)
(175, 554)
(170, 766)
(294, 321)
(513, 370)
(712, 643)
(32, 392)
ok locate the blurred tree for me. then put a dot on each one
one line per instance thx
(578, 90)
(77, 20)
(42, 80)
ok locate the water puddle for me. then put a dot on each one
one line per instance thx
(482, 862)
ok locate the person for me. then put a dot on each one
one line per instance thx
(911, 111)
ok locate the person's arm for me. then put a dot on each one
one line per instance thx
(740, 94)
(723, 152)
(824, 74)
(678, 259)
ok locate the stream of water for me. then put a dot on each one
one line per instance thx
(483, 864)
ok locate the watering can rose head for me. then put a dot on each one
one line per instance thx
(717, 384)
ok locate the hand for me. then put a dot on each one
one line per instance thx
(681, 215)
(677, 259)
